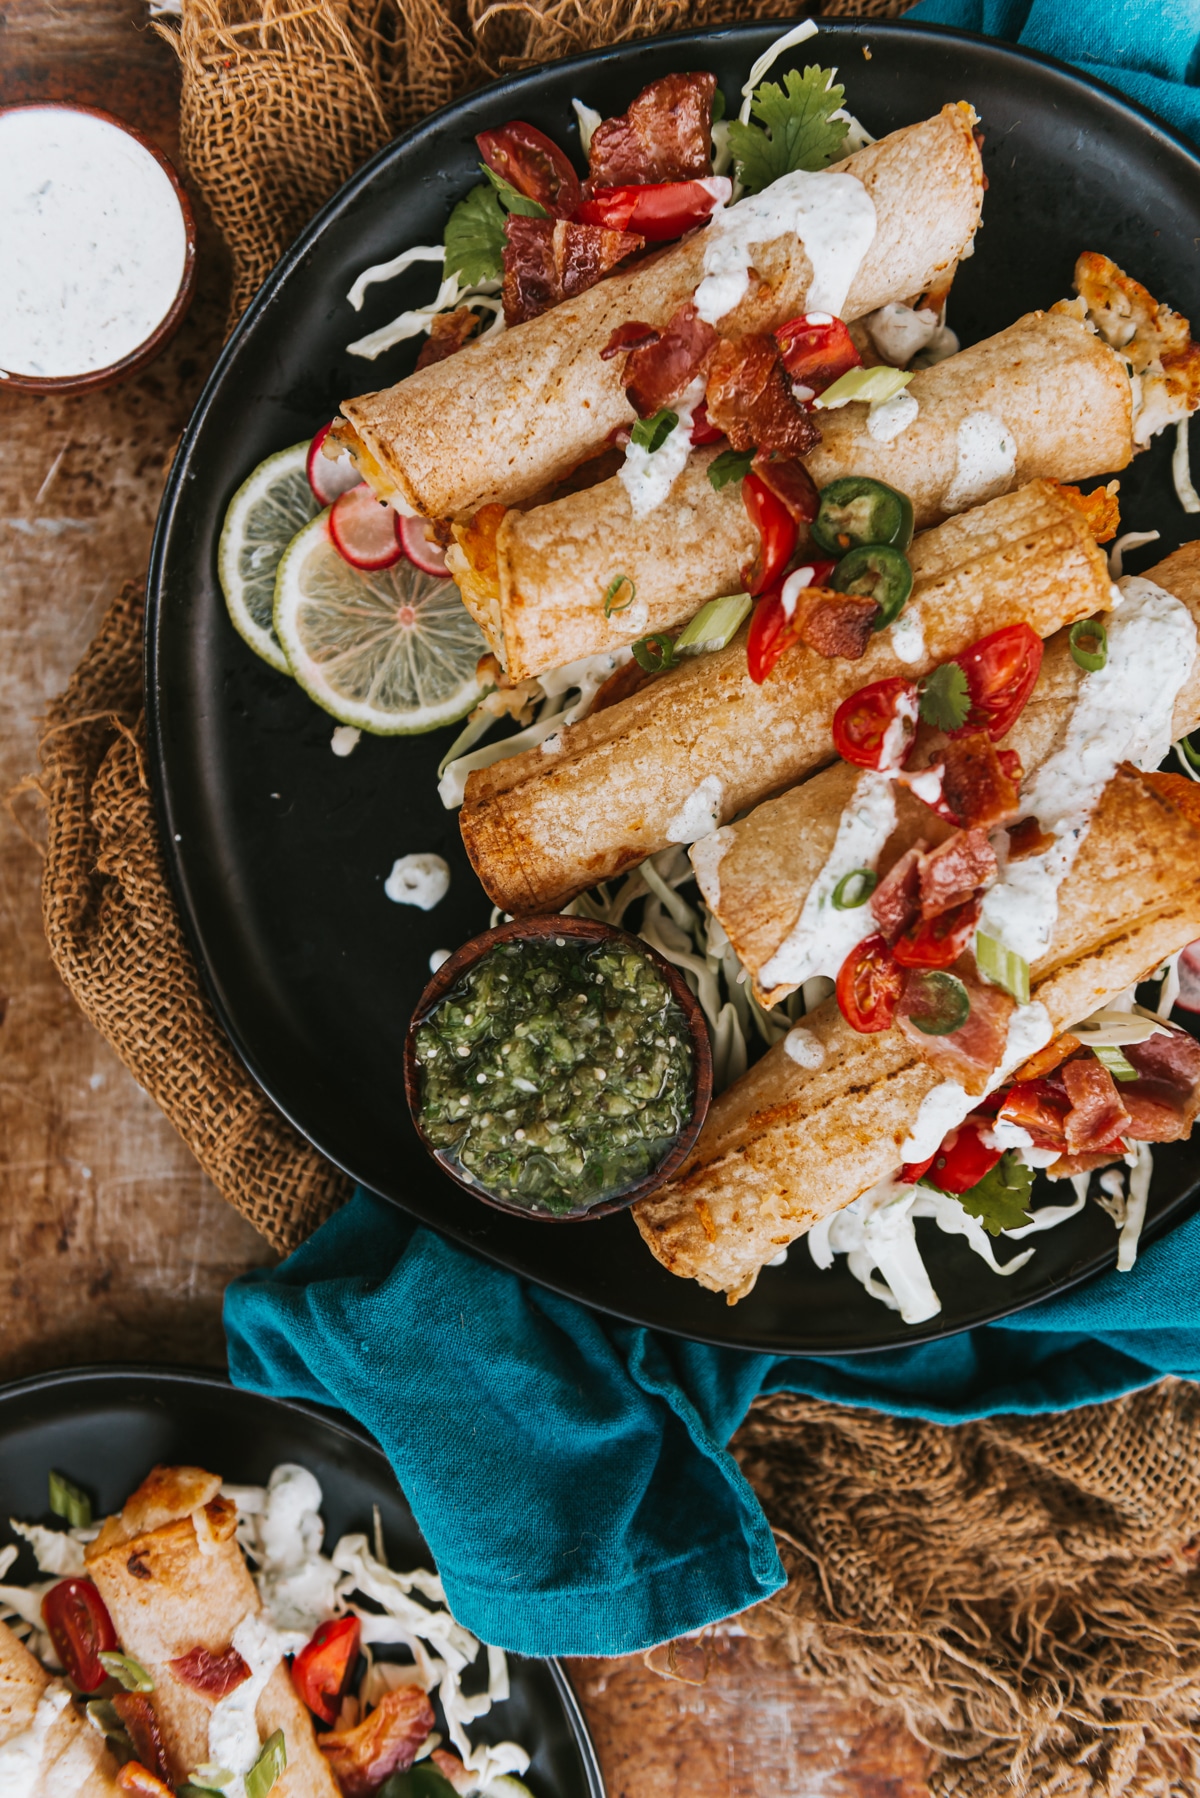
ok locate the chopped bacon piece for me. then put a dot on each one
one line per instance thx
(447, 334)
(1097, 1114)
(386, 1742)
(141, 1726)
(750, 398)
(1039, 1106)
(214, 1674)
(1047, 1059)
(666, 135)
(633, 335)
(660, 370)
(1027, 838)
(971, 1053)
(895, 901)
(139, 1782)
(620, 685)
(1101, 508)
(1087, 1161)
(834, 624)
(791, 482)
(975, 788)
(1164, 1100)
(547, 261)
(950, 873)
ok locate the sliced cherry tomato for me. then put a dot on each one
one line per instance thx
(862, 722)
(962, 1161)
(1001, 671)
(322, 1669)
(869, 985)
(78, 1624)
(536, 167)
(658, 211)
(777, 530)
(702, 430)
(816, 354)
(770, 627)
(938, 942)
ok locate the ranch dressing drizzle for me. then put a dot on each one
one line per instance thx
(985, 462)
(947, 1104)
(233, 1739)
(832, 215)
(1122, 713)
(822, 936)
(648, 476)
(21, 1757)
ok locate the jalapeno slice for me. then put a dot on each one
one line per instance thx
(936, 1002)
(856, 510)
(878, 572)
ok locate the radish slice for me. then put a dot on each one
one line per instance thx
(364, 530)
(326, 477)
(419, 546)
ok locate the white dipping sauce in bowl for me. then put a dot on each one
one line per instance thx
(95, 245)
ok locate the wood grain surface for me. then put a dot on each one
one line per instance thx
(113, 1244)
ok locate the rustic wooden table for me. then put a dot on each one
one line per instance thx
(113, 1244)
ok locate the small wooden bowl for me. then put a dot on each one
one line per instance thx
(582, 930)
(144, 352)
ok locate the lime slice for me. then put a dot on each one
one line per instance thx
(265, 513)
(391, 650)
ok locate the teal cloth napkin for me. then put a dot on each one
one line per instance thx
(570, 1473)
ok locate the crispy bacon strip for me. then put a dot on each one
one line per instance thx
(1027, 838)
(750, 398)
(386, 1742)
(1039, 1106)
(550, 260)
(896, 902)
(214, 1674)
(666, 135)
(976, 787)
(834, 624)
(1097, 1114)
(972, 1052)
(657, 372)
(447, 334)
(791, 482)
(950, 873)
(1164, 1100)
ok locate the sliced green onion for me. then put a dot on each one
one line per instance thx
(854, 889)
(268, 1767)
(1118, 1066)
(102, 1715)
(730, 465)
(211, 1779)
(872, 384)
(656, 652)
(1184, 745)
(651, 433)
(615, 599)
(1089, 630)
(70, 1501)
(944, 1000)
(131, 1674)
(715, 624)
(1003, 967)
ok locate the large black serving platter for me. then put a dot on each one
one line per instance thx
(279, 849)
(106, 1427)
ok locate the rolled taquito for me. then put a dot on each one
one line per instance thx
(1044, 398)
(789, 1144)
(672, 762)
(47, 1748)
(505, 418)
(769, 878)
(171, 1572)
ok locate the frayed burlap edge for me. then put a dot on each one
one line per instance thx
(116, 939)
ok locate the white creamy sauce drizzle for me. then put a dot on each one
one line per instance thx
(899, 333)
(233, 1738)
(822, 936)
(832, 215)
(699, 814)
(1122, 713)
(296, 1582)
(93, 245)
(705, 855)
(908, 639)
(21, 1757)
(420, 880)
(888, 418)
(805, 1049)
(985, 461)
(648, 476)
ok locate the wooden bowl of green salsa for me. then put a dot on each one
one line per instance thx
(558, 1068)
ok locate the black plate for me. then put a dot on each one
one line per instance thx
(279, 850)
(105, 1427)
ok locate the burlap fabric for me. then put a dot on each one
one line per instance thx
(1021, 1592)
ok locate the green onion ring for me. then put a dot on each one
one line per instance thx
(1090, 660)
(868, 880)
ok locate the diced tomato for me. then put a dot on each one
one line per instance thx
(911, 1171)
(861, 723)
(1001, 671)
(962, 1161)
(771, 629)
(78, 1624)
(702, 430)
(141, 1783)
(536, 167)
(938, 942)
(659, 211)
(815, 355)
(322, 1669)
(777, 530)
(869, 985)
(1041, 1107)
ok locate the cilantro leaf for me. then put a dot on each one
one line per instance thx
(1001, 1199)
(730, 465)
(945, 699)
(795, 129)
(651, 433)
(475, 238)
(512, 199)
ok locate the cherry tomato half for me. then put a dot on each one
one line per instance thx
(1001, 671)
(658, 211)
(702, 431)
(770, 626)
(962, 1161)
(861, 723)
(78, 1624)
(536, 167)
(322, 1669)
(869, 985)
(815, 355)
(777, 530)
(938, 942)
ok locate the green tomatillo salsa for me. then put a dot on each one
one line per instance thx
(556, 1073)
